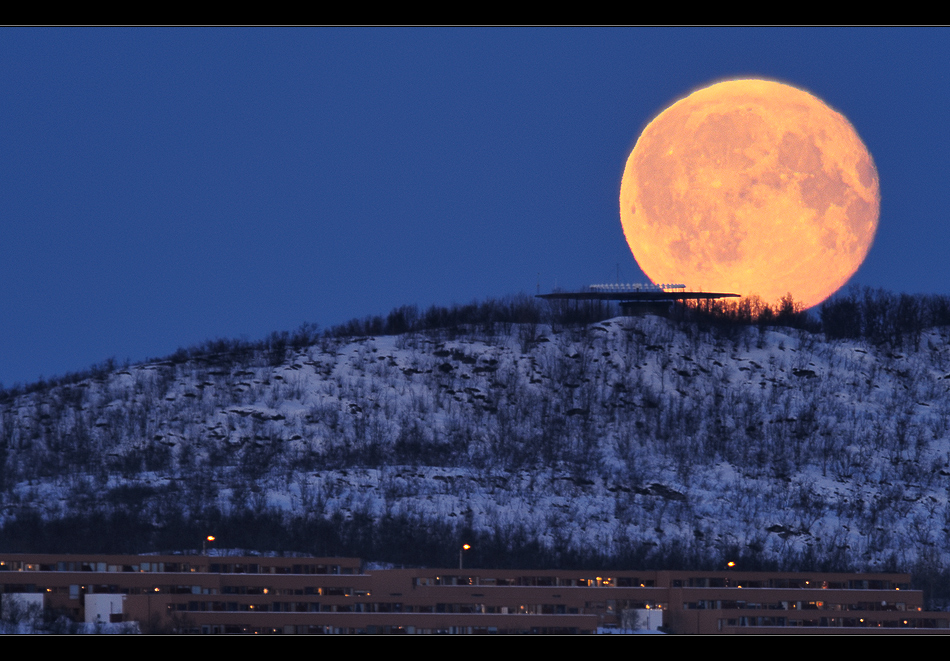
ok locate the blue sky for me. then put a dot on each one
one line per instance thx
(161, 187)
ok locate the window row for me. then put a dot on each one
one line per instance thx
(536, 581)
(722, 604)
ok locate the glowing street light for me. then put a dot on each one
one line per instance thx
(464, 548)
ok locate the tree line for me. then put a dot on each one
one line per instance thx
(877, 315)
(883, 317)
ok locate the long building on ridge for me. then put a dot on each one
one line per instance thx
(307, 595)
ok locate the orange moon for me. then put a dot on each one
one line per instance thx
(751, 187)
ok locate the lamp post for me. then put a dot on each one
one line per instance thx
(464, 548)
(204, 544)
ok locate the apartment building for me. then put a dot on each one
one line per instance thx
(309, 595)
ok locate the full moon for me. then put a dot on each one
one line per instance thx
(752, 187)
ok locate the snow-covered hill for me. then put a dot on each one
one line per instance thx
(629, 437)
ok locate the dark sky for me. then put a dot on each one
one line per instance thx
(161, 187)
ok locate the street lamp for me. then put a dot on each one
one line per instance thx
(204, 544)
(464, 548)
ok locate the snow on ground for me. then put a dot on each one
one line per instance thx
(631, 431)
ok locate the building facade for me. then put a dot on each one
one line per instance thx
(219, 594)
